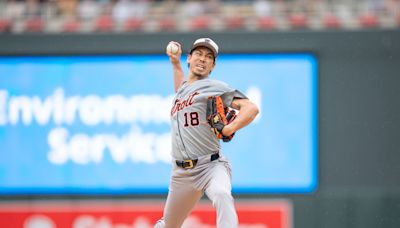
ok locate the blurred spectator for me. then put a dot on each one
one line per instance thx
(34, 24)
(104, 23)
(88, 9)
(279, 7)
(368, 20)
(5, 25)
(122, 10)
(376, 6)
(167, 24)
(199, 23)
(192, 8)
(71, 25)
(315, 8)
(343, 11)
(106, 6)
(140, 8)
(393, 7)
(298, 20)
(50, 9)
(331, 21)
(132, 10)
(170, 7)
(67, 8)
(299, 6)
(32, 8)
(15, 9)
(133, 24)
(266, 23)
(262, 8)
(212, 7)
(234, 22)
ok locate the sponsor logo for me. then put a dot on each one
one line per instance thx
(73, 119)
(260, 214)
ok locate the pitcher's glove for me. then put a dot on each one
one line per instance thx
(219, 116)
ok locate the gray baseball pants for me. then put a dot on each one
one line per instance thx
(187, 186)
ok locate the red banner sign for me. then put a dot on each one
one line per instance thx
(132, 214)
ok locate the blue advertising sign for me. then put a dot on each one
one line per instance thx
(100, 124)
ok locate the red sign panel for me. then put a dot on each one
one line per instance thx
(115, 214)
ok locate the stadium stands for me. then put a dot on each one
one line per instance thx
(5, 25)
(167, 24)
(71, 26)
(234, 22)
(178, 15)
(297, 20)
(104, 23)
(34, 25)
(368, 20)
(331, 21)
(200, 23)
(133, 24)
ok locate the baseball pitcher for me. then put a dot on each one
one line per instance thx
(202, 114)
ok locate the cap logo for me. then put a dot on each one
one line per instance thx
(210, 43)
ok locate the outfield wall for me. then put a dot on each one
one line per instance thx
(358, 113)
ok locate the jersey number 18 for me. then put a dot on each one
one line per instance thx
(194, 119)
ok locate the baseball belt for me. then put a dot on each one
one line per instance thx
(189, 164)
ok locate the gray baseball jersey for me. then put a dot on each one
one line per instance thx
(191, 134)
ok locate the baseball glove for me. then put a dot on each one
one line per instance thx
(219, 116)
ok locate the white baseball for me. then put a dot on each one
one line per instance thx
(172, 48)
